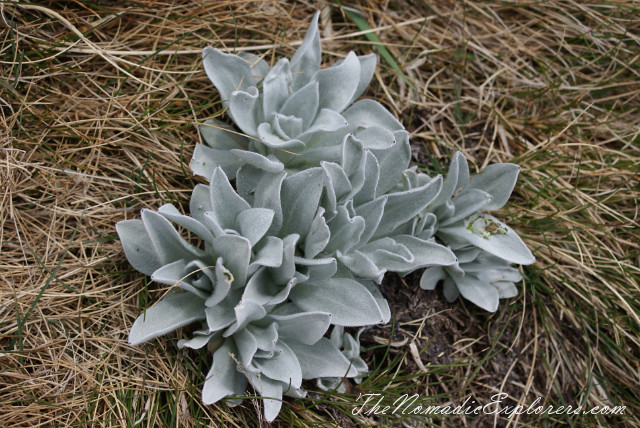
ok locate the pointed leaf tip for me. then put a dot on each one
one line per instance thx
(137, 246)
(174, 311)
(227, 72)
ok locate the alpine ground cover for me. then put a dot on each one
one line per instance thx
(96, 132)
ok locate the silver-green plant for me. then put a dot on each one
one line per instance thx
(479, 277)
(371, 227)
(350, 348)
(363, 159)
(485, 246)
(262, 306)
(324, 205)
(295, 114)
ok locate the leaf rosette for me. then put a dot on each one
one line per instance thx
(262, 304)
(485, 246)
(292, 115)
(324, 205)
(369, 218)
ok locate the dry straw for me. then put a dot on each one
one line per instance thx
(99, 104)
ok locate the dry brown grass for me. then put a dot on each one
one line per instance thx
(99, 108)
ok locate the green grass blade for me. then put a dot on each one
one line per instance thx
(363, 25)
